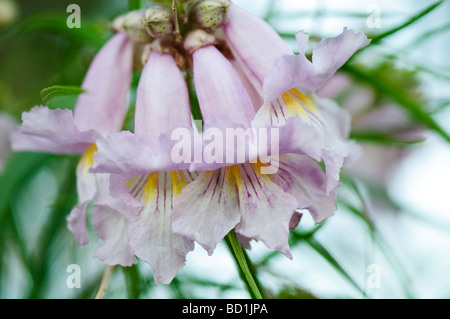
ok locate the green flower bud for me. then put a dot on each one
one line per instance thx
(210, 14)
(158, 22)
(132, 24)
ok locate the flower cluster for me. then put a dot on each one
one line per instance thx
(151, 206)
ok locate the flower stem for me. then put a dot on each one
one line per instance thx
(241, 261)
(176, 31)
(104, 283)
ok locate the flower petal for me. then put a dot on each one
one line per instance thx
(253, 42)
(87, 184)
(266, 209)
(306, 181)
(253, 89)
(76, 223)
(219, 88)
(129, 155)
(112, 227)
(107, 83)
(150, 233)
(162, 101)
(207, 209)
(331, 53)
(328, 56)
(51, 131)
(322, 135)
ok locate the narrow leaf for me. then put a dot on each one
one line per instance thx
(241, 261)
(406, 23)
(383, 138)
(52, 92)
(395, 92)
(319, 248)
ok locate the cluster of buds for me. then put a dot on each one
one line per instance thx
(165, 25)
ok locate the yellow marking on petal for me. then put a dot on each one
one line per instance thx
(257, 167)
(130, 182)
(178, 182)
(150, 188)
(233, 177)
(87, 159)
(292, 106)
(302, 97)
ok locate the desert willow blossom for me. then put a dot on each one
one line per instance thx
(151, 205)
(238, 194)
(145, 177)
(98, 111)
(285, 83)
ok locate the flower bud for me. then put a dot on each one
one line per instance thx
(9, 11)
(132, 24)
(198, 39)
(210, 14)
(158, 22)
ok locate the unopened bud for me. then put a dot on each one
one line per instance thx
(9, 11)
(198, 39)
(158, 22)
(132, 24)
(210, 14)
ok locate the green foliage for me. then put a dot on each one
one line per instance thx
(50, 93)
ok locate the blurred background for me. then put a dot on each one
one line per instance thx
(391, 233)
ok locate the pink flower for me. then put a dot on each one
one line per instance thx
(145, 176)
(238, 194)
(286, 83)
(97, 112)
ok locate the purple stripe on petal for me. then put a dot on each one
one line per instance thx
(150, 233)
(206, 212)
(306, 181)
(266, 210)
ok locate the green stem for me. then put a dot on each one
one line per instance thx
(407, 23)
(242, 262)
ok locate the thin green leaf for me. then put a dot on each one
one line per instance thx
(413, 19)
(242, 263)
(395, 92)
(20, 169)
(427, 35)
(202, 282)
(133, 281)
(48, 94)
(296, 236)
(377, 237)
(193, 100)
(321, 250)
(177, 289)
(383, 138)
(64, 202)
